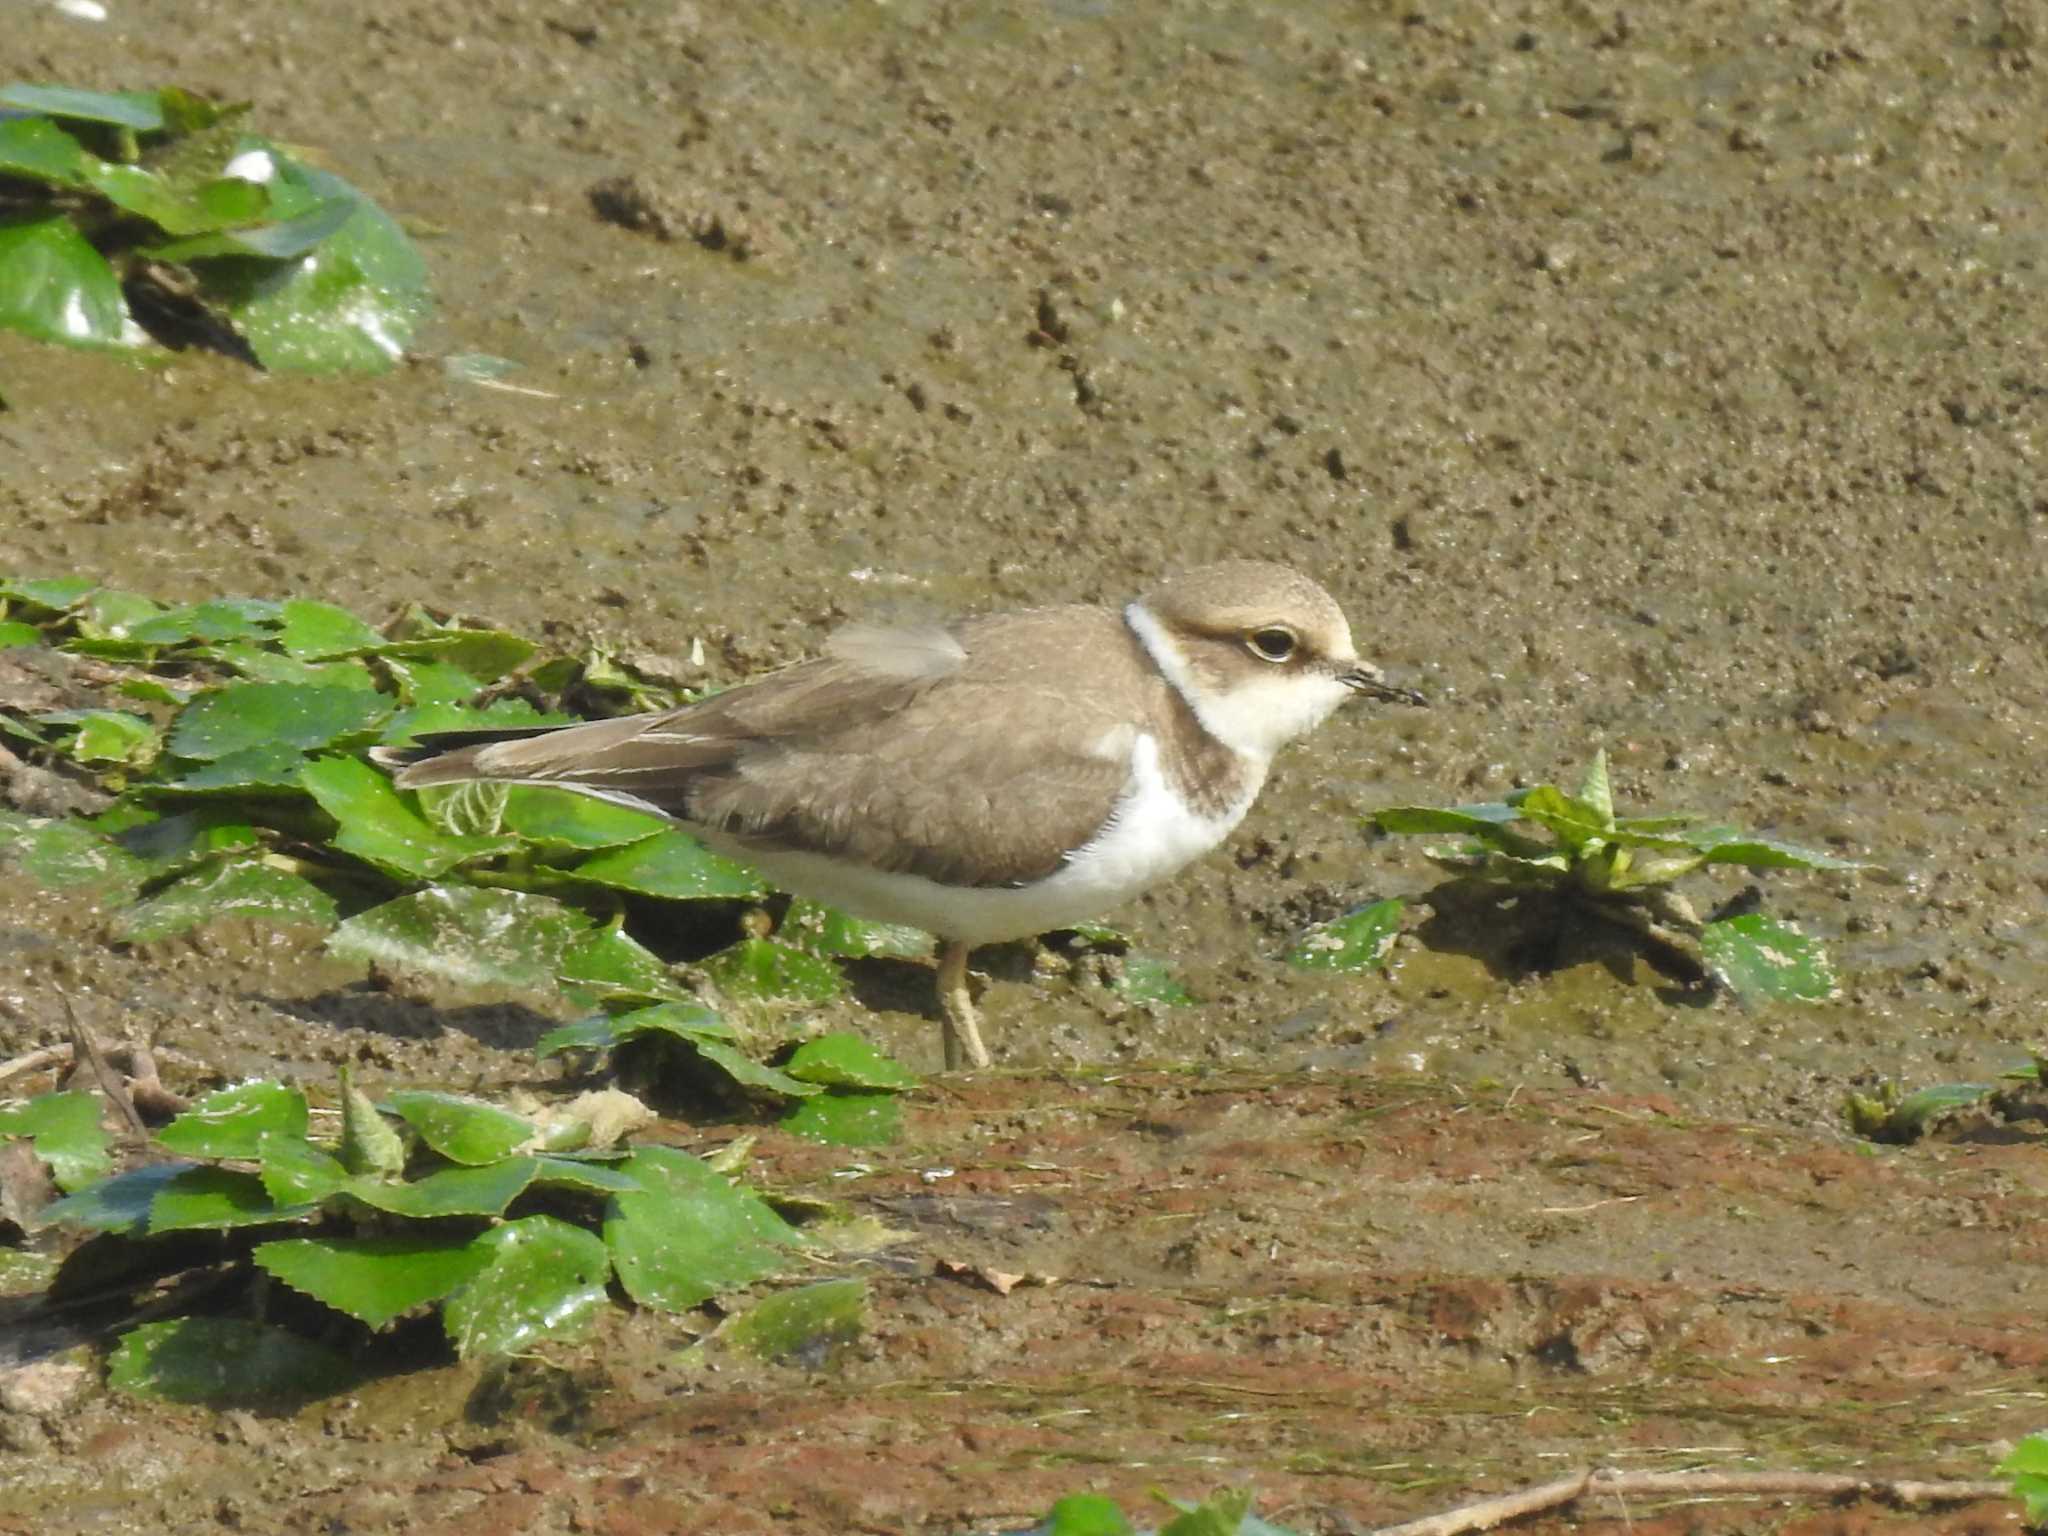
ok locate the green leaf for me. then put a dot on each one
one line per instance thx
(431, 683)
(485, 654)
(1486, 823)
(236, 716)
(260, 664)
(763, 968)
(175, 208)
(68, 854)
(1358, 941)
(847, 1061)
(2027, 1466)
(461, 1129)
(805, 1326)
(216, 1200)
(470, 934)
(216, 620)
(563, 1172)
(142, 111)
(827, 931)
(1757, 956)
(65, 1132)
(295, 1172)
(614, 963)
(377, 826)
(233, 1122)
(1769, 853)
(107, 735)
(333, 284)
(223, 1360)
(117, 1204)
(559, 818)
(56, 594)
(274, 242)
(1570, 819)
(1597, 792)
(109, 614)
(1148, 979)
(674, 865)
(13, 632)
(686, 1021)
(172, 845)
(1885, 1118)
(749, 1073)
(689, 1234)
(240, 888)
(368, 1143)
(39, 150)
(262, 769)
(846, 1118)
(1221, 1514)
(375, 1279)
(316, 631)
(483, 1191)
(545, 1280)
(55, 287)
(1086, 1514)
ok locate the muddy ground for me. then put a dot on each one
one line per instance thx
(1670, 379)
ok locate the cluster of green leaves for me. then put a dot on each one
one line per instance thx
(1225, 1513)
(1574, 846)
(514, 1226)
(226, 238)
(2027, 1466)
(1889, 1115)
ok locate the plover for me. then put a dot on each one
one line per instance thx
(984, 780)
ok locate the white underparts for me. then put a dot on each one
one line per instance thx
(1150, 835)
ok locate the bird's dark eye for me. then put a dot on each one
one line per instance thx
(1272, 643)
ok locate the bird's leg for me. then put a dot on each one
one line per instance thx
(956, 1009)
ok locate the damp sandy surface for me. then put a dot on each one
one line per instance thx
(1667, 380)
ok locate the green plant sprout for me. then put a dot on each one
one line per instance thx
(1892, 1116)
(1227, 1512)
(137, 220)
(2027, 1466)
(1620, 869)
(513, 1225)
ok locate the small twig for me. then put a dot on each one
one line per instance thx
(84, 1048)
(36, 1061)
(144, 1085)
(1488, 1513)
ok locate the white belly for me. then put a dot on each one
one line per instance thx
(1152, 834)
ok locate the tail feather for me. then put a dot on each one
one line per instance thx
(442, 743)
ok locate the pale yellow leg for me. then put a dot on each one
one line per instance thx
(956, 1010)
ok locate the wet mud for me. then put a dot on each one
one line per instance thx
(1666, 381)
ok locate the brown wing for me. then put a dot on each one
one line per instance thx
(974, 762)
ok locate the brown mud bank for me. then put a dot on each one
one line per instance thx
(1666, 381)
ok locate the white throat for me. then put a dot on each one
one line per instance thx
(1256, 718)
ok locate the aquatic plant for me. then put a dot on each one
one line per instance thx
(512, 1225)
(1572, 849)
(141, 220)
(231, 735)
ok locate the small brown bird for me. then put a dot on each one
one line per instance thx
(983, 780)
